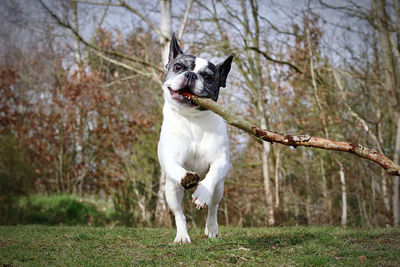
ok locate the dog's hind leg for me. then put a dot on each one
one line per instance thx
(174, 195)
(211, 229)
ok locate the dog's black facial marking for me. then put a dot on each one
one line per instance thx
(174, 49)
(209, 76)
(209, 73)
(188, 61)
(223, 70)
(212, 67)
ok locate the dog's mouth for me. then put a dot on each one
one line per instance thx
(183, 96)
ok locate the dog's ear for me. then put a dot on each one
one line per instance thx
(174, 49)
(223, 70)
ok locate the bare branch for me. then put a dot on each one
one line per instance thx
(354, 114)
(274, 60)
(86, 56)
(298, 140)
(274, 27)
(314, 85)
(128, 67)
(96, 3)
(96, 48)
(144, 18)
(184, 20)
(120, 80)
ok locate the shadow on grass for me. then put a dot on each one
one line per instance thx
(374, 241)
(274, 241)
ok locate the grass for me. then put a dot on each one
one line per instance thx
(35, 245)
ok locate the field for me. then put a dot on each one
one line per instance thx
(36, 245)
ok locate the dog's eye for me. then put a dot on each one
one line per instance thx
(178, 67)
(208, 78)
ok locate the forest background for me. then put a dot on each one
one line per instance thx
(81, 108)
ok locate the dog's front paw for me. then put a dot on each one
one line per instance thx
(182, 238)
(190, 180)
(211, 230)
(202, 196)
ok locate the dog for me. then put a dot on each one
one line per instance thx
(193, 148)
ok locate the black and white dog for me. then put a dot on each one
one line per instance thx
(193, 143)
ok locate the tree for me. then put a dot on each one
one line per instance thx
(390, 84)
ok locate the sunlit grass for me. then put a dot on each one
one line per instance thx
(292, 246)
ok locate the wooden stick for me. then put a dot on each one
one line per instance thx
(298, 140)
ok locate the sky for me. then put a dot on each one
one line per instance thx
(30, 12)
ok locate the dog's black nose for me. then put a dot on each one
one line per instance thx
(191, 75)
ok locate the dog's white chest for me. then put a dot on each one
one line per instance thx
(197, 153)
(194, 141)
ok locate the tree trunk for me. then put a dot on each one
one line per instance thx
(295, 202)
(359, 205)
(78, 146)
(163, 217)
(257, 74)
(362, 204)
(162, 211)
(277, 166)
(226, 213)
(385, 193)
(387, 65)
(266, 148)
(308, 201)
(165, 28)
(396, 179)
(325, 194)
(385, 188)
(344, 195)
(373, 189)
(364, 207)
(389, 85)
(267, 183)
(77, 52)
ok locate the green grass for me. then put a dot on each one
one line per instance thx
(35, 245)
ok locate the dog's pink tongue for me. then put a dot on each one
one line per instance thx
(175, 95)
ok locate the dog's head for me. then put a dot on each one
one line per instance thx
(188, 74)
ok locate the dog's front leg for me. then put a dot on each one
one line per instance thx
(177, 174)
(178, 179)
(174, 194)
(171, 156)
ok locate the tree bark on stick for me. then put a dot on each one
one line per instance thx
(298, 140)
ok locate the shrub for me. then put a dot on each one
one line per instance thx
(62, 209)
(16, 176)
